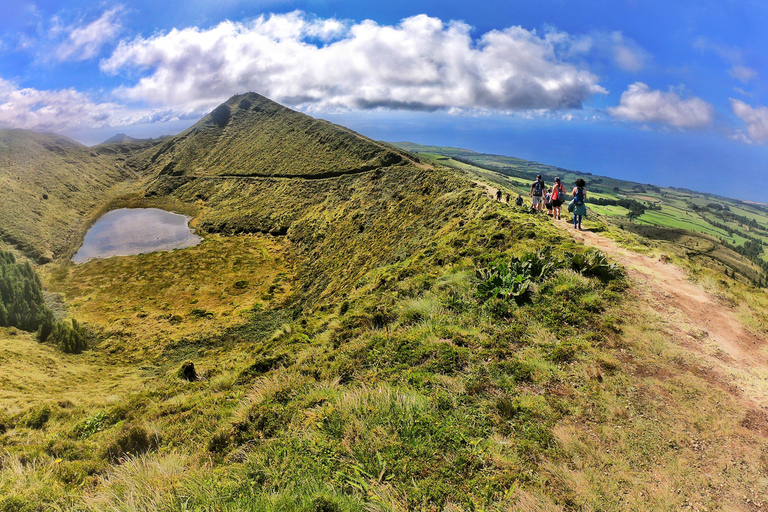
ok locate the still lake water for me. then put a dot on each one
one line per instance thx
(130, 231)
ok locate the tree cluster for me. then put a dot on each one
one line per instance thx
(636, 208)
(22, 305)
(21, 295)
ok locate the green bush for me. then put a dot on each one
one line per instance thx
(21, 295)
(70, 338)
(594, 263)
(515, 279)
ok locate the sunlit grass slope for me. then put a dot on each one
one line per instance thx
(406, 393)
(144, 303)
(49, 184)
(347, 361)
(250, 135)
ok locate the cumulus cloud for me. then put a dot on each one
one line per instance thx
(422, 64)
(641, 104)
(755, 118)
(66, 109)
(85, 42)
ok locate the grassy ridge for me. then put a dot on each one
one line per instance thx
(251, 135)
(719, 220)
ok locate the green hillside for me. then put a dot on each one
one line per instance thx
(724, 226)
(361, 330)
(250, 135)
(49, 185)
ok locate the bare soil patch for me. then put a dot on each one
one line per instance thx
(694, 319)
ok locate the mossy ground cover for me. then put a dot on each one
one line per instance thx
(157, 298)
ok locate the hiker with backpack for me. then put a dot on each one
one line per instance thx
(537, 193)
(577, 206)
(519, 200)
(558, 198)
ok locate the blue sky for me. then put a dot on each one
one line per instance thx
(670, 93)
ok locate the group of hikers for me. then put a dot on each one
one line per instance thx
(553, 198)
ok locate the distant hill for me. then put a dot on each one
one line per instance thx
(122, 138)
(250, 135)
(48, 184)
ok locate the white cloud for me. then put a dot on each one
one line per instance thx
(421, 63)
(756, 119)
(641, 104)
(614, 48)
(731, 55)
(86, 42)
(66, 109)
(743, 73)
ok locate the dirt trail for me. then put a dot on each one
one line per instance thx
(736, 358)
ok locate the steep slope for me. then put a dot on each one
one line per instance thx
(253, 166)
(250, 135)
(48, 184)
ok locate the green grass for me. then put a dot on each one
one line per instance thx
(359, 368)
(49, 185)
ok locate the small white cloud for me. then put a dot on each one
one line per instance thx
(613, 48)
(732, 55)
(641, 104)
(422, 63)
(86, 42)
(743, 73)
(755, 118)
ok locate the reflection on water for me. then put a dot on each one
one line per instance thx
(136, 231)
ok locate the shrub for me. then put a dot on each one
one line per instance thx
(594, 263)
(21, 295)
(69, 337)
(91, 425)
(515, 279)
(131, 440)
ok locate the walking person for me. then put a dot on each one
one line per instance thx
(498, 195)
(558, 198)
(537, 193)
(579, 206)
(548, 201)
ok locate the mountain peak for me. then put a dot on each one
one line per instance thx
(251, 135)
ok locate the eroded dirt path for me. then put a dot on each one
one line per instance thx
(694, 319)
